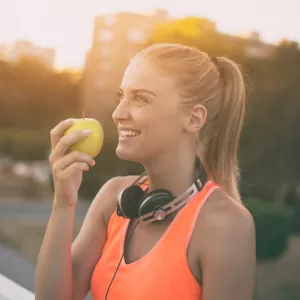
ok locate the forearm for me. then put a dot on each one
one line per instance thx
(54, 278)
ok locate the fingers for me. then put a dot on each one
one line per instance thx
(57, 132)
(67, 173)
(66, 142)
(78, 166)
(73, 158)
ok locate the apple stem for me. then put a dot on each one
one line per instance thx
(83, 114)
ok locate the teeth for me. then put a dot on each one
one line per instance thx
(125, 133)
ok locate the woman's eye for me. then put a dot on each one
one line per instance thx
(139, 99)
(120, 96)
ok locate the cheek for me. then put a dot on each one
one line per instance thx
(166, 127)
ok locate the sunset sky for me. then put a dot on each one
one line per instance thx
(66, 25)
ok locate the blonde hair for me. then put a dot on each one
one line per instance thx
(218, 85)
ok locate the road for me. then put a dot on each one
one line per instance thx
(16, 268)
(34, 212)
(19, 270)
(16, 208)
(13, 266)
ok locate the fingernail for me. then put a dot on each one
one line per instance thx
(86, 131)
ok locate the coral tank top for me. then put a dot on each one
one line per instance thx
(163, 273)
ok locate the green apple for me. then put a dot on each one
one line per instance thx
(92, 144)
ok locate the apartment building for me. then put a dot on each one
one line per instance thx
(116, 38)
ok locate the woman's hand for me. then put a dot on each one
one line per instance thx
(67, 167)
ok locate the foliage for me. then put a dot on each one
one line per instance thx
(22, 144)
(273, 226)
(35, 97)
(200, 33)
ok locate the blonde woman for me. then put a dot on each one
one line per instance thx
(177, 107)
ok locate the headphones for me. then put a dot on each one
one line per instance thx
(134, 202)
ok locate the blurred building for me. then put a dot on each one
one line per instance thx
(255, 47)
(2, 50)
(116, 38)
(13, 52)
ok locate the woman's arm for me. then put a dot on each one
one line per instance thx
(64, 269)
(228, 258)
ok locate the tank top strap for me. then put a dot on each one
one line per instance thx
(191, 216)
(194, 206)
(185, 221)
(145, 185)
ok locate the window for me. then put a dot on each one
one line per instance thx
(105, 36)
(110, 20)
(105, 65)
(105, 51)
(135, 36)
(100, 83)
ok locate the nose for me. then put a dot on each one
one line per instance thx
(121, 112)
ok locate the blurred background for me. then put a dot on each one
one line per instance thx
(60, 57)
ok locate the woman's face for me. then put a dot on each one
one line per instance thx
(148, 116)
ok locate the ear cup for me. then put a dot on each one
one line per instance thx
(128, 200)
(152, 200)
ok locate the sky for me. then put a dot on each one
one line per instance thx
(67, 25)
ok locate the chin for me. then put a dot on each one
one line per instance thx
(126, 155)
(130, 154)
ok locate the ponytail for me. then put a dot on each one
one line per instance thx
(217, 84)
(221, 151)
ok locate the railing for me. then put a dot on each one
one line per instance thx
(9, 290)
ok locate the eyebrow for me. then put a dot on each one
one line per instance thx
(141, 91)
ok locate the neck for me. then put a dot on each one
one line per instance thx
(173, 171)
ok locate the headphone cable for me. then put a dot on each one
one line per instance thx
(125, 248)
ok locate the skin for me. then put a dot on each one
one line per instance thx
(221, 254)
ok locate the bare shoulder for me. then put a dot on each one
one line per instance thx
(222, 212)
(225, 221)
(106, 198)
(226, 248)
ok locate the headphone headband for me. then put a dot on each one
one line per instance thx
(170, 207)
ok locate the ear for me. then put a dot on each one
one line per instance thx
(196, 118)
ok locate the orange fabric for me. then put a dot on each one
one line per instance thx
(163, 273)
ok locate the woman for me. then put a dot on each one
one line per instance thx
(175, 103)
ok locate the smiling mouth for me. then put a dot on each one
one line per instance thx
(129, 133)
